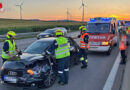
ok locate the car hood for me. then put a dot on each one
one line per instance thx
(25, 59)
(99, 37)
(13, 65)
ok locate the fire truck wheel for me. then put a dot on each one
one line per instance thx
(115, 44)
(109, 51)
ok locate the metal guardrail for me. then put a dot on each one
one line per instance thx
(20, 34)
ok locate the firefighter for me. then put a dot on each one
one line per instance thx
(62, 55)
(84, 38)
(9, 48)
(128, 35)
(128, 32)
(122, 46)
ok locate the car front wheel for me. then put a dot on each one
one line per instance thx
(50, 78)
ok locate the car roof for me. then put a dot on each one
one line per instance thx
(54, 29)
(47, 39)
(50, 29)
(62, 28)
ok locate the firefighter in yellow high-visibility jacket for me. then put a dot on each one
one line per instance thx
(9, 48)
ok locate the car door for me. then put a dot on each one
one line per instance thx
(74, 51)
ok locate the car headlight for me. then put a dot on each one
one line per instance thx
(46, 35)
(105, 43)
(2, 68)
(30, 72)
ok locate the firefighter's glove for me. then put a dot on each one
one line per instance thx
(11, 56)
(20, 53)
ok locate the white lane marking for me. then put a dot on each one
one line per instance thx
(111, 78)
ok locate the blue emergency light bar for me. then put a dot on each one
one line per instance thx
(92, 20)
(106, 19)
(100, 19)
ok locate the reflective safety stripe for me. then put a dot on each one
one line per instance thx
(82, 43)
(82, 58)
(60, 72)
(122, 45)
(66, 69)
(83, 46)
(63, 45)
(11, 50)
(62, 53)
(86, 60)
(62, 49)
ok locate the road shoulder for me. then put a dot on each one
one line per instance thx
(126, 78)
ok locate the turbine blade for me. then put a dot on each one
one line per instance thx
(17, 5)
(82, 2)
(22, 3)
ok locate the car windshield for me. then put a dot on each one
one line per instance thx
(37, 47)
(49, 31)
(98, 27)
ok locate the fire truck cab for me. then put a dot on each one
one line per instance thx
(102, 34)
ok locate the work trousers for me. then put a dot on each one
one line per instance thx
(83, 53)
(63, 69)
(123, 56)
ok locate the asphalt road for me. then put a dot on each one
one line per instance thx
(92, 78)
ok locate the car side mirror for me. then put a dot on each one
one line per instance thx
(46, 53)
(72, 48)
(20, 52)
(23, 49)
(43, 54)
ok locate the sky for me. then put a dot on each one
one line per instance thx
(56, 9)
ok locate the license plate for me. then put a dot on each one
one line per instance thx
(12, 73)
(94, 43)
(10, 79)
(92, 48)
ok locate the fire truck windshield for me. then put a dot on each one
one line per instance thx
(98, 27)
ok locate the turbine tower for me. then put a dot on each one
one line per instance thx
(83, 5)
(67, 15)
(20, 7)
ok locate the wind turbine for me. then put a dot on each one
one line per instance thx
(68, 15)
(20, 7)
(83, 5)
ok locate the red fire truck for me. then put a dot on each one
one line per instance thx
(102, 34)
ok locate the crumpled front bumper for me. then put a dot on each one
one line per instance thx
(22, 81)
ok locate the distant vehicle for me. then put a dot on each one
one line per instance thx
(51, 32)
(63, 29)
(37, 66)
(121, 25)
(102, 34)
